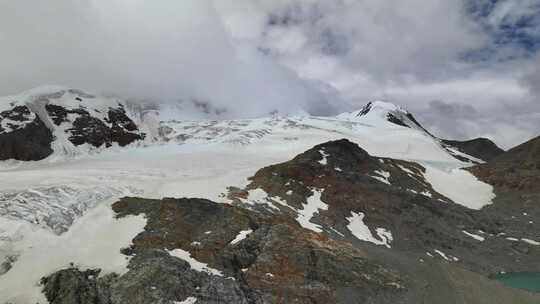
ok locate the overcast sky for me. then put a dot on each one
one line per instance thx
(465, 68)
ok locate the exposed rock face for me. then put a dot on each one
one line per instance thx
(419, 219)
(31, 123)
(481, 148)
(277, 262)
(261, 250)
(393, 194)
(391, 113)
(74, 286)
(23, 136)
(515, 176)
(115, 127)
(516, 170)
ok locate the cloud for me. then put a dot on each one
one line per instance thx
(458, 121)
(461, 53)
(164, 51)
(387, 40)
(318, 56)
(531, 78)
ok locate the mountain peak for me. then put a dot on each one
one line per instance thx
(379, 106)
(390, 114)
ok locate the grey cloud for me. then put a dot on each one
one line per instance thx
(388, 40)
(452, 111)
(412, 53)
(532, 79)
(447, 119)
(165, 51)
(507, 126)
(256, 56)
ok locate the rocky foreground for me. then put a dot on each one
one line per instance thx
(333, 225)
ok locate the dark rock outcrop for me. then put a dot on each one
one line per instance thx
(393, 119)
(481, 148)
(430, 259)
(27, 130)
(278, 262)
(25, 137)
(86, 128)
(74, 286)
(420, 219)
(515, 176)
(518, 169)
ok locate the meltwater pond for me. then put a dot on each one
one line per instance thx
(523, 280)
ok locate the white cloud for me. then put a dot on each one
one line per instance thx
(407, 52)
(323, 56)
(166, 50)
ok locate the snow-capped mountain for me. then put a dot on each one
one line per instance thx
(377, 111)
(380, 183)
(63, 121)
(58, 121)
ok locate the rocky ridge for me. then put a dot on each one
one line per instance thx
(481, 148)
(474, 151)
(395, 200)
(36, 123)
(274, 262)
(23, 135)
(42, 121)
(415, 245)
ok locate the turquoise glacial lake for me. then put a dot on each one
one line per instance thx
(523, 280)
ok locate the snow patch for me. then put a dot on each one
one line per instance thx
(382, 176)
(241, 235)
(362, 232)
(195, 265)
(260, 197)
(531, 242)
(460, 186)
(442, 254)
(407, 170)
(426, 193)
(324, 160)
(474, 236)
(314, 204)
(188, 300)
(458, 153)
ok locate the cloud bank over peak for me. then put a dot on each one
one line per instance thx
(443, 60)
(475, 54)
(166, 51)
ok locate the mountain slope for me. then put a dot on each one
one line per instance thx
(517, 169)
(369, 238)
(481, 148)
(515, 176)
(376, 113)
(56, 122)
(393, 197)
(61, 204)
(44, 120)
(23, 135)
